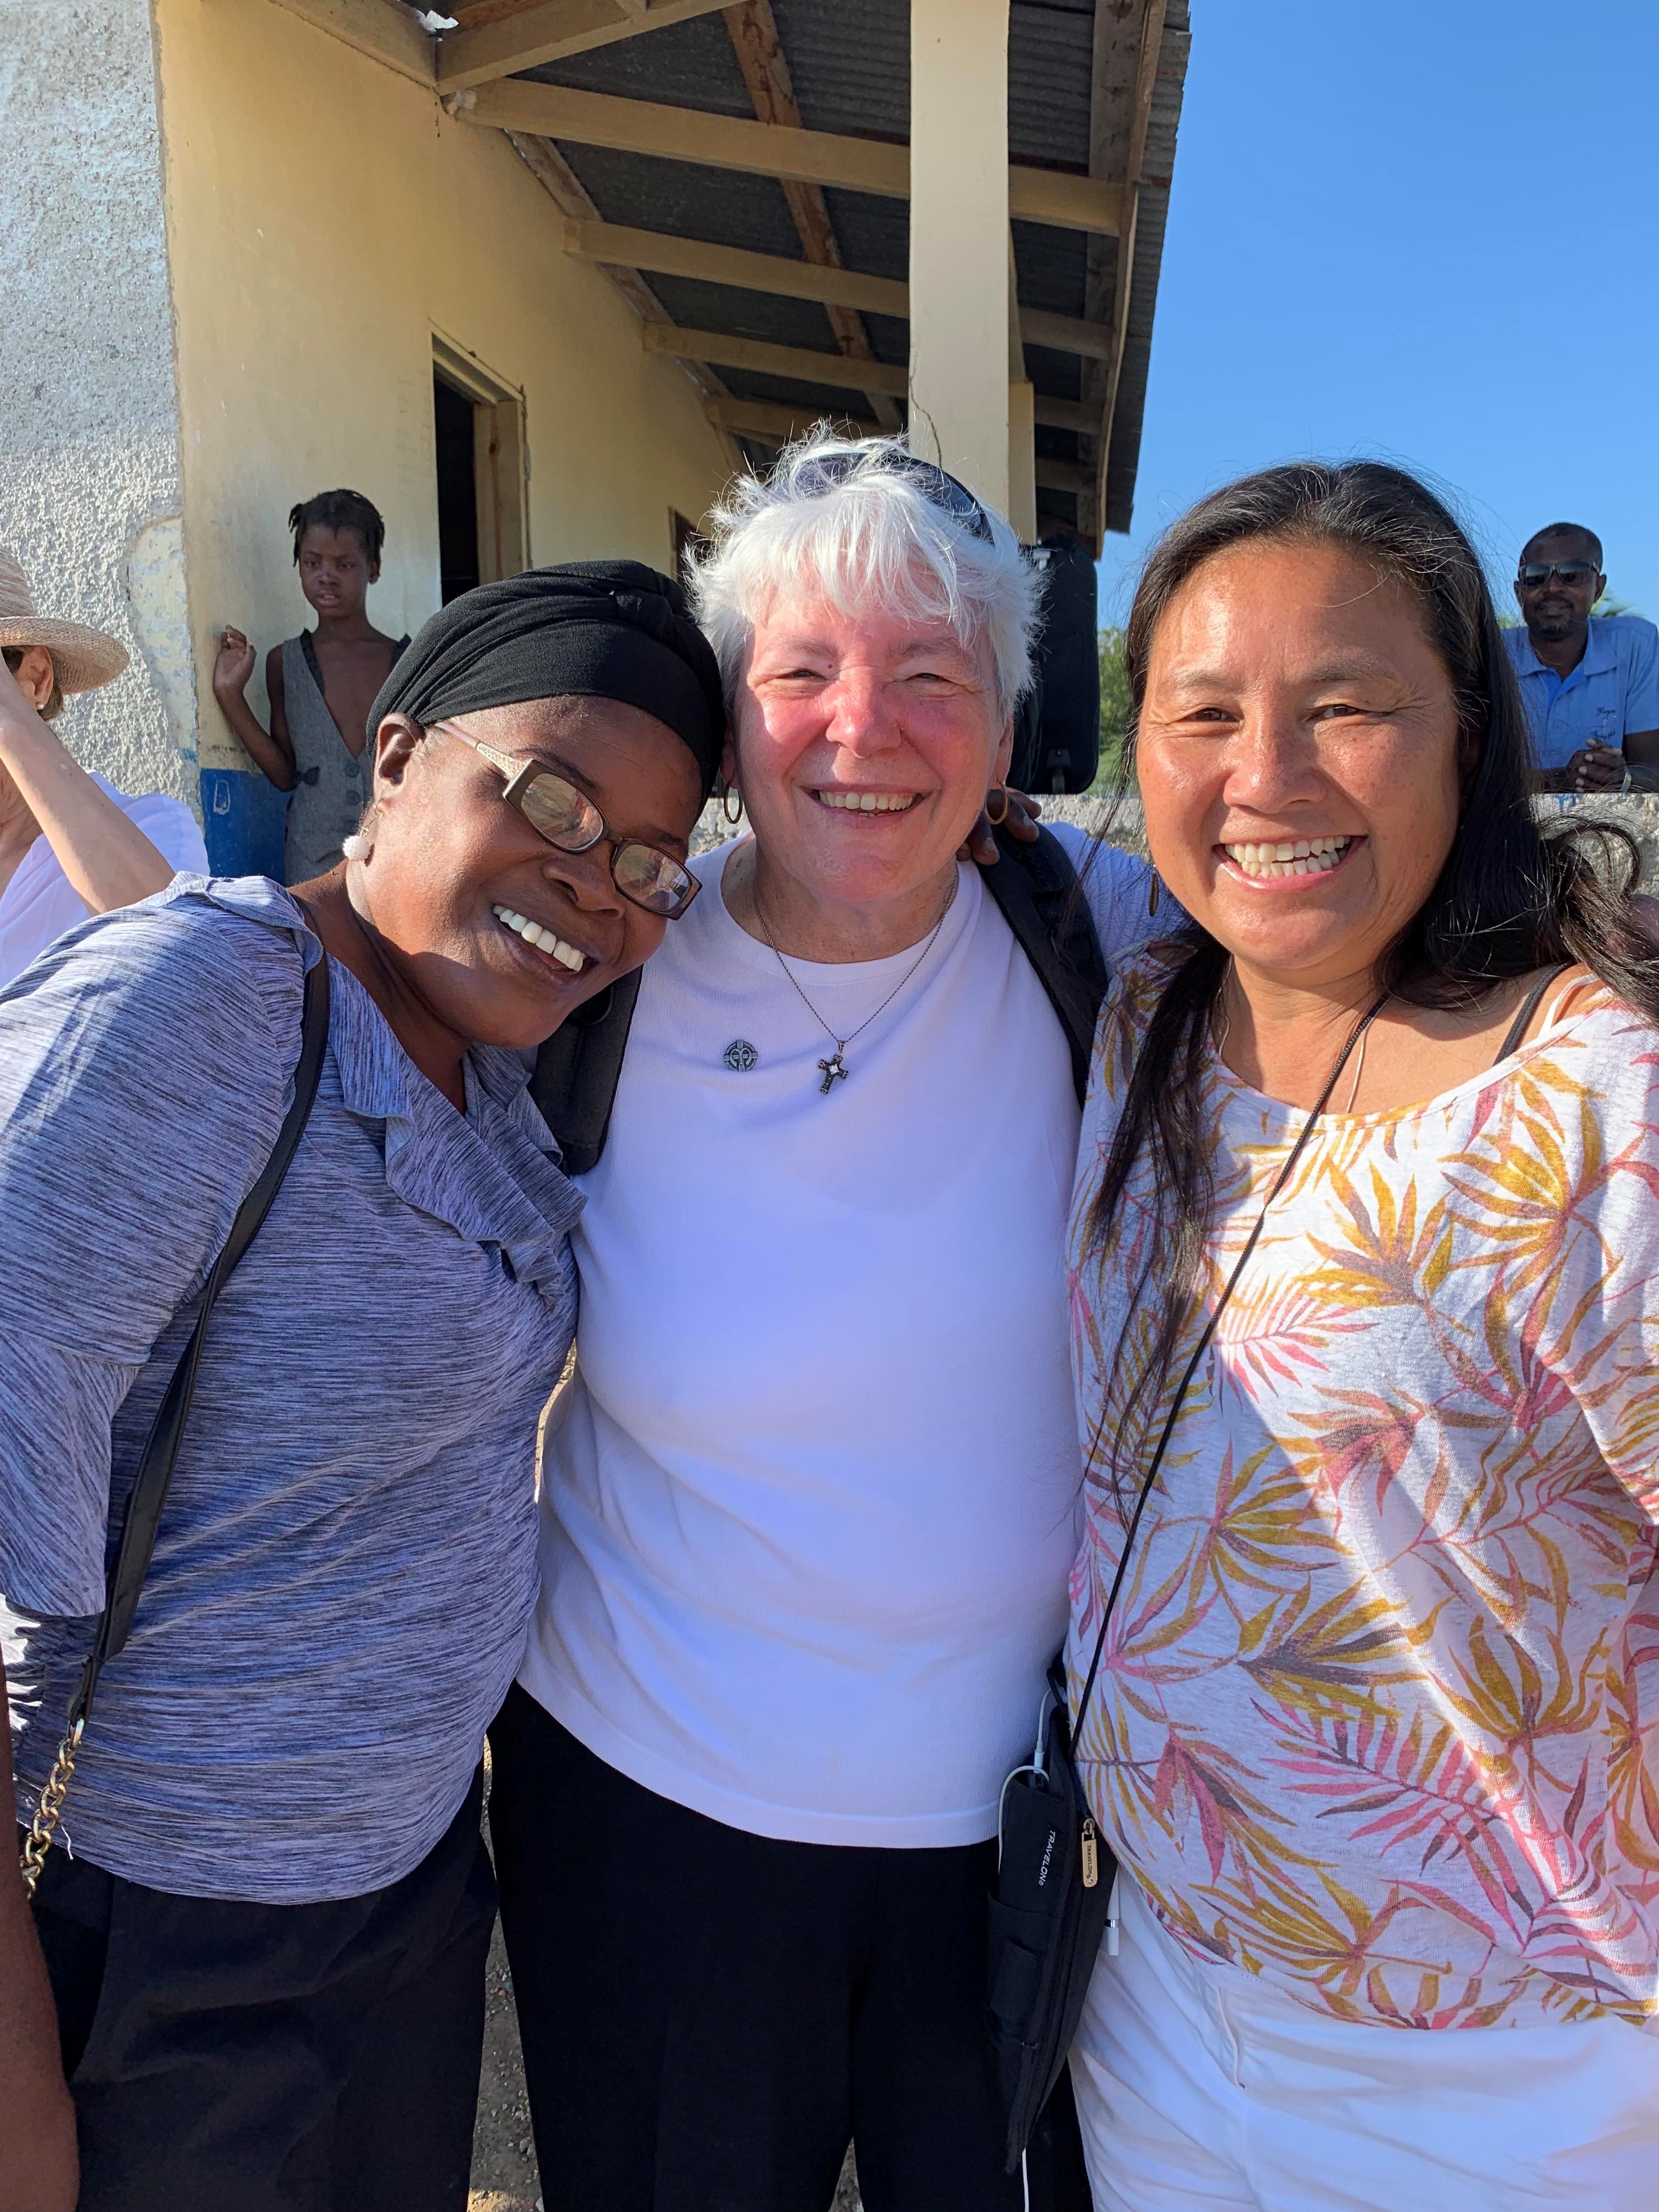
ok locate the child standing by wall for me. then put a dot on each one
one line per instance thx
(321, 683)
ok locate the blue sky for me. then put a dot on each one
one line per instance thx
(1425, 231)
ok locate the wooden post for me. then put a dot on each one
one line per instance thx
(1022, 460)
(959, 303)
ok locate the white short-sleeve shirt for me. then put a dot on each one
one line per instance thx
(39, 902)
(808, 1515)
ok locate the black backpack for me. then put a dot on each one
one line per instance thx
(1035, 887)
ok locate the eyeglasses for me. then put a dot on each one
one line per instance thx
(1532, 573)
(568, 819)
(829, 470)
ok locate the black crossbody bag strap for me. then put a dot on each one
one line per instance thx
(1043, 1954)
(160, 1453)
(1185, 1384)
(1034, 886)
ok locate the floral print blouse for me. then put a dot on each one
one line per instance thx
(1378, 1715)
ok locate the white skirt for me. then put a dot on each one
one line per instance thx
(1203, 2088)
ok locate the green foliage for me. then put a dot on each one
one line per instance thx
(1114, 707)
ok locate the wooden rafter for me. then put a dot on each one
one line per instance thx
(1063, 475)
(777, 422)
(753, 31)
(767, 150)
(1129, 42)
(494, 40)
(798, 363)
(667, 254)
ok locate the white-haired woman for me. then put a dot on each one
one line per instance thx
(808, 1516)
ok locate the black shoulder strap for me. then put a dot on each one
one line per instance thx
(1527, 1009)
(1036, 888)
(161, 1452)
(578, 1069)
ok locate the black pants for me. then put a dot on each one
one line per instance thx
(236, 2057)
(708, 2015)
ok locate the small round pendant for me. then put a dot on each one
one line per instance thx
(740, 1056)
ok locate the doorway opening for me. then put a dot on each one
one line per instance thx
(480, 455)
(457, 490)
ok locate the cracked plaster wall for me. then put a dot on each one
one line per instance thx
(90, 496)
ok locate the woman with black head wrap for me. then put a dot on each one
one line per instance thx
(274, 1806)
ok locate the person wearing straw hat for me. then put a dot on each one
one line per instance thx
(70, 843)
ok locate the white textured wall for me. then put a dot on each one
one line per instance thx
(89, 485)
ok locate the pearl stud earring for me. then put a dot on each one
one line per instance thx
(356, 847)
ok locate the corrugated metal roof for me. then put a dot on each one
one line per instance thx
(690, 63)
(1050, 64)
(849, 64)
(1151, 219)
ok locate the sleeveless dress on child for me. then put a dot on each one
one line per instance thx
(332, 784)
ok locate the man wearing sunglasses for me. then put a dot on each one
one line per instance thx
(1590, 681)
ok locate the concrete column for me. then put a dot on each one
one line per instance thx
(959, 280)
(1022, 459)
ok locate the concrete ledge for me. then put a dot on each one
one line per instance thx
(1120, 821)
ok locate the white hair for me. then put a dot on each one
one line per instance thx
(871, 536)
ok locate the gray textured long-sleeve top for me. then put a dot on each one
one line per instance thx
(347, 1560)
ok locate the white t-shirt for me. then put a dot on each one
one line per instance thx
(39, 902)
(809, 1514)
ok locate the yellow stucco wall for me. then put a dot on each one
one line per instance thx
(326, 220)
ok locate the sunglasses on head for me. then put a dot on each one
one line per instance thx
(652, 880)
(937, 485)
(1532, 573)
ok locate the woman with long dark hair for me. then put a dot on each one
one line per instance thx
(1365, 1253)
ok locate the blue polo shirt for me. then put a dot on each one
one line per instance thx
(1615, 689)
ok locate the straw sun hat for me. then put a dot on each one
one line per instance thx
(83, 658)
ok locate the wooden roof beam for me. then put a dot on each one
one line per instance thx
(549, 33)
(668, 255)
(1064, 476)
(1146, 85)
(778, 425)
(798, 363)
(767, 150)
(778, 422)
(753, 31)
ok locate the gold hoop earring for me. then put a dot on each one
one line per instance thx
(996, 821)
(1154, 894)
(726, 796)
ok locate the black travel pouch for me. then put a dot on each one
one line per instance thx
(1048, 1912)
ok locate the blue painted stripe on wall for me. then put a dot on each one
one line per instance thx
(243, 818)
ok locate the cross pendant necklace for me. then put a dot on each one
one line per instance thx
(833, 1069)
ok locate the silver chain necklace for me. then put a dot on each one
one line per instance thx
(834, 1069)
